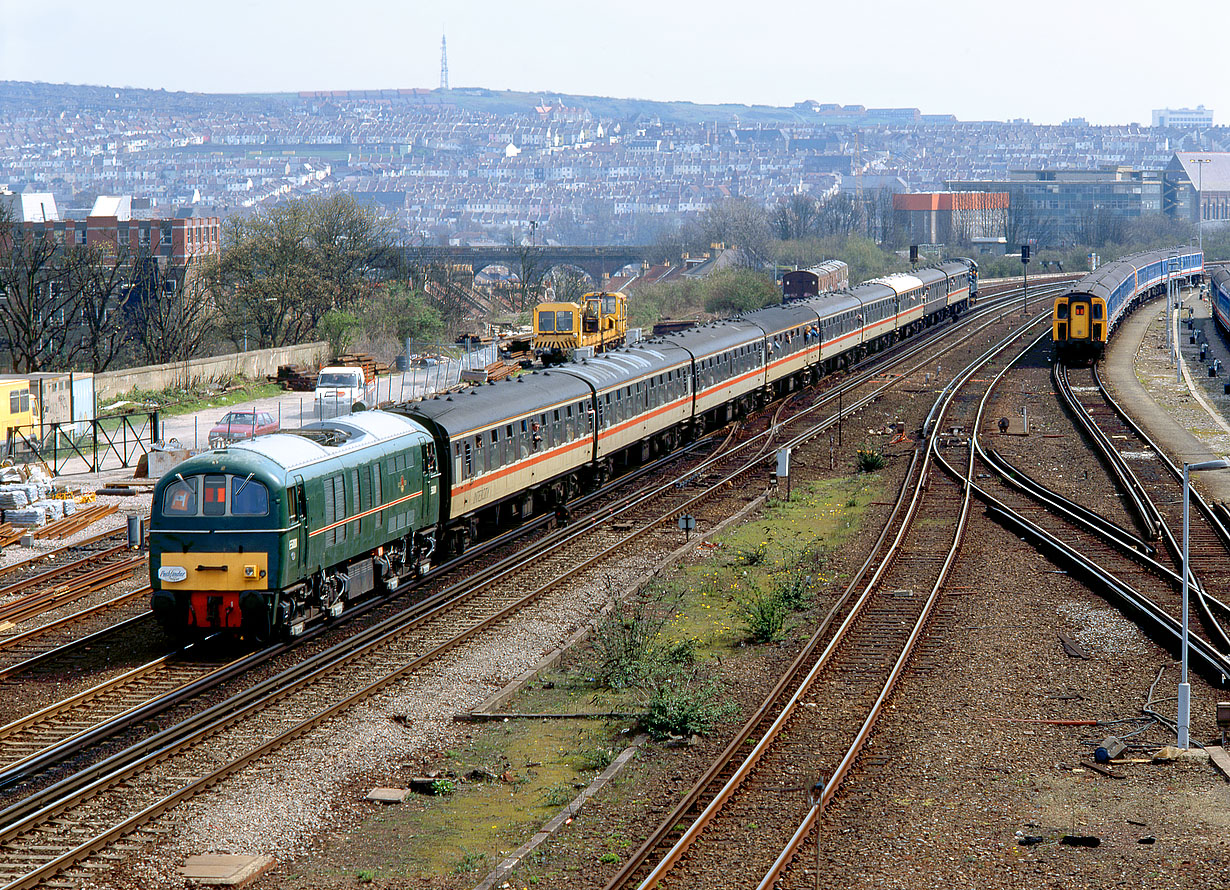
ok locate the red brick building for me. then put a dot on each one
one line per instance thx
(950, 217)
(121, 221)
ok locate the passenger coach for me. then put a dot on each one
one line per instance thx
(1085, 316)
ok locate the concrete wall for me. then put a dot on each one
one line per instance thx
(257, 363)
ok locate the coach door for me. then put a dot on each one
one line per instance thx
(1079, 323)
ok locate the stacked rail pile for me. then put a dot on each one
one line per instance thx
(297, 378)
(500, 370)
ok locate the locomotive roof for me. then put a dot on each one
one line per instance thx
(492, 404)
(327, 438)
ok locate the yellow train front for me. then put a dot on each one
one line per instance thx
(1078, 326)
(599, 321)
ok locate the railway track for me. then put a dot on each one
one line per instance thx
(814, 725)
(1154, 487)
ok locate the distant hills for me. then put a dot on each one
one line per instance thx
(71, 97)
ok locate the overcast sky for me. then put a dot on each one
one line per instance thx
(1045, 60)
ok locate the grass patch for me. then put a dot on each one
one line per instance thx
(177, 400)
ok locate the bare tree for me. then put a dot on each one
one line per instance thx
(568, 284)
(170, 307)
(40, 290)
(796, 218)
(841, 215)
(738, 223)
(105, 295)
(529, 271)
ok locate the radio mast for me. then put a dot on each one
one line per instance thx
(443, 62)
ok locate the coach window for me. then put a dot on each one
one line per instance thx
(1097, 311)
(1061, 310)
(510, 445)
(494, 453)
(480, 455)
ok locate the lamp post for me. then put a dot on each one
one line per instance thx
(1200, 162)
(1185, 690)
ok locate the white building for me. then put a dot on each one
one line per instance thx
(1183, 117)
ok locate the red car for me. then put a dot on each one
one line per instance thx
(242, 425)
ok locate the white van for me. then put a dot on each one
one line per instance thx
(342, 387)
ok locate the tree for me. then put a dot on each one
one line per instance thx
(170, 308)
(56, 299)
(738, 223)
(338, 328)
(797, 218)
(841, 215)
(731, 291)
(105, 296)
(568, 284)
(529, 273)
(286, 266)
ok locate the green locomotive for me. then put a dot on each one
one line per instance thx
(262, 536)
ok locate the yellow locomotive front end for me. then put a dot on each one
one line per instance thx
(1078, 326)
(599, 321)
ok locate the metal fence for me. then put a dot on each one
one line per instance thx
(106, 443)
(84, 446)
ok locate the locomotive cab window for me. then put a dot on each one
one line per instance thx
(248, 497)
(179, 498)
(215, 496)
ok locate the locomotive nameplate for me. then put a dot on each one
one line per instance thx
(172, 573)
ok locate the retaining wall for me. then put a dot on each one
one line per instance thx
(255, 363)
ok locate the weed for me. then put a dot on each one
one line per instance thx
(443, 787)
(626, 646)
(870, 459)
(763, 615)
(608, 858)
(682, 652)
(752, 556)
(793, 588)
(685, 703)
(366, 875)
(598, 759)
(557, 795)
(469, 862)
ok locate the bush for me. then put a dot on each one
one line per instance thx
(793, 587)
(763, 615)
(870, 459)
(625, 643)
(684, 703)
